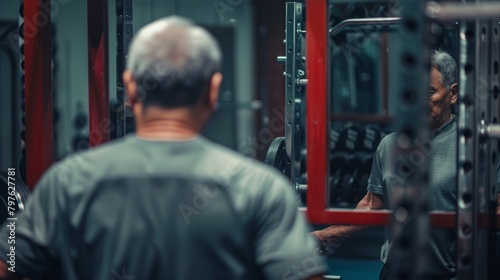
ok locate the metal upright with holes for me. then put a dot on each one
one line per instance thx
(410, 198)
(494, 91)
(466, 151)
(294, 89)
(123, 37)
(482, 163)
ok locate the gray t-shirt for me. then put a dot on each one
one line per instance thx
(163, 210)
(441, 150)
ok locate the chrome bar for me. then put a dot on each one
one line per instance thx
(348, 23)
(456, 10)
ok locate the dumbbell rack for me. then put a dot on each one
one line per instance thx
(478, 112)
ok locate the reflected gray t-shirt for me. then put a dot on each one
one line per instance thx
(140, 209)
(441, 150)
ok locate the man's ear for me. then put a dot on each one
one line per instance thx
(213, 94)
(130, 88)
(454, 93)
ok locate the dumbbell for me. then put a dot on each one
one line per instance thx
(367, 159)
(337, 161)
(337, 173)
(370, 138)
(364, 174)
(345, 139)
(80, 140)
(351, 186)
(334, 136)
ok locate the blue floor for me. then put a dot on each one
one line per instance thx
(355, 269)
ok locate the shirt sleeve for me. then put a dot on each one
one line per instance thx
(30, 241)
(375, 182)
(284, 247)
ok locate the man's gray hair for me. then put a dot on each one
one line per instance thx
(446, 65)
(173, 60)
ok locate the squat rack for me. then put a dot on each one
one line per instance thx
(35, 45)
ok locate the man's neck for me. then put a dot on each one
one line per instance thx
(447, 120)
(166, 131)
(161, 124)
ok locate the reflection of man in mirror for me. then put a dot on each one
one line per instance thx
(442, 155)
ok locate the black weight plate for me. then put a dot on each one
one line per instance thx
(22, 193)
(277, 157)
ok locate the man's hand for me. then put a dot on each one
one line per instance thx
(318, 235)
(329, 237)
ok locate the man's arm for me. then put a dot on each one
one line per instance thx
(334, 234)
(5, 274)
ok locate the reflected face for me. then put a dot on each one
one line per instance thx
(440, 99)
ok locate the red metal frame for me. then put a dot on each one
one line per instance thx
(38, 89)
(99, 122)
(316, 107)
(317, 122)
(376, 218)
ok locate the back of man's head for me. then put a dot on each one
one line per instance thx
(172, 61)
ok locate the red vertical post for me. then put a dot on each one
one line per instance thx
(317, 104)
(97, 22)
(38, 88)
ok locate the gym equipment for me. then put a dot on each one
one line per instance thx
(22, 161)
(276, 156)
(334, 136)
(122, 114)
(80, 140)
(347, 140)
(349, 177)
(352, 138)
(337, 161)
(338, 170)
(303, 161)
(370, 137)
(351, 186)
(20, 193)
(294, 90)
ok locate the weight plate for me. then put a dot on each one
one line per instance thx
(277, 157)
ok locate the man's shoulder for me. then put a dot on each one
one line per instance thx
(87, 160)
(388, 142)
